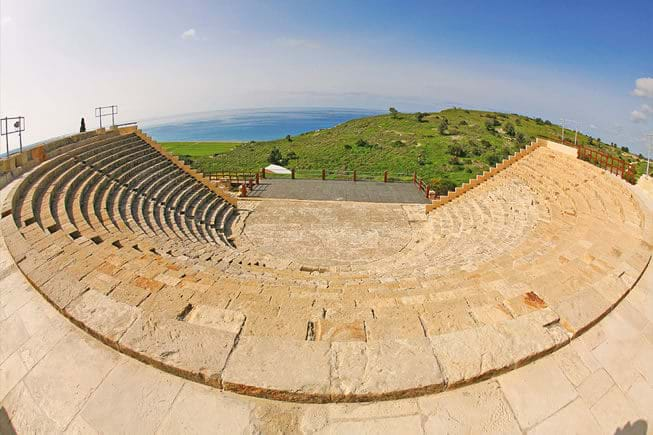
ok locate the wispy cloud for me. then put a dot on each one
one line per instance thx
(297, 43)
(189, 35)
(644, 87)
(642, 114)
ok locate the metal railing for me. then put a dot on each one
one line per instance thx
(17, 126)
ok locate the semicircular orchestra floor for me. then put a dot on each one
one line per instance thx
(324, 301)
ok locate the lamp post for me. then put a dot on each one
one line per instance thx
(648, 160)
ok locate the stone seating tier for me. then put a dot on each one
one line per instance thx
(323, 301)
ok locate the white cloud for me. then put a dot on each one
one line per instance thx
(641, 114)
(298, 43)
(643, 87)
(188, 35)
(5, 20)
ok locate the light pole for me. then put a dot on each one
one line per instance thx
(563, 121)
(575, 131)
(648, 161)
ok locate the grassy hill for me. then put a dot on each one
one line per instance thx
(200, 149)
(445, 148)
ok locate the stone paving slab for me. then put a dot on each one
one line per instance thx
(134, 397)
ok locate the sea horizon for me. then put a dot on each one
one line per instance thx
(243, 125)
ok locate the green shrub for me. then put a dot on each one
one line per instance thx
(444, 125)
(275, 157)
(456, 150)
(521, 139)
(510, 129)
(442, 185)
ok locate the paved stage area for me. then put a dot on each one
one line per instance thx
(335, 190)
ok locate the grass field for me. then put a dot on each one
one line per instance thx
(199, 149)
(445, 157)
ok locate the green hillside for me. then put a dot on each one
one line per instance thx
(199, 149)
(445, 148)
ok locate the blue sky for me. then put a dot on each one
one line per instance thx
(575, 60)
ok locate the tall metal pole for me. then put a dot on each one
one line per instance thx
(100, 117)
(648, 161)
(6, 120)
(113, 121)
(563, 131)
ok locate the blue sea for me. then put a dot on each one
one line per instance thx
(247, 125)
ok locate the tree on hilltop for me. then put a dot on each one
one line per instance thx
(393, 112)
(275, 157)
(420, 116)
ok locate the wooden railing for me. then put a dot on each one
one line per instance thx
(612, 164)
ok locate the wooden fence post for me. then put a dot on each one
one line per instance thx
(428, 191)
(292, 173)
(243, 190)
(257, 179)
(323, 174)
(354, 175)
(385, 176)
(263, 172)
(414, 177)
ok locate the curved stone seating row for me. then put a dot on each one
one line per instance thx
(103, 195)
(102, 235)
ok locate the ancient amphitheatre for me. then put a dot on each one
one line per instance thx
(323, 302)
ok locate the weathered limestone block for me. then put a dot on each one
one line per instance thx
(581, 310)
(448, 319)
(188, 350)
(389, 369)
(611, 288)
(101, 281)
(36, 268)
(104, 317)
(330, 330)
(279, 368)
(61, 289)
(17, 245)
(478, 353)
(216, 318)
